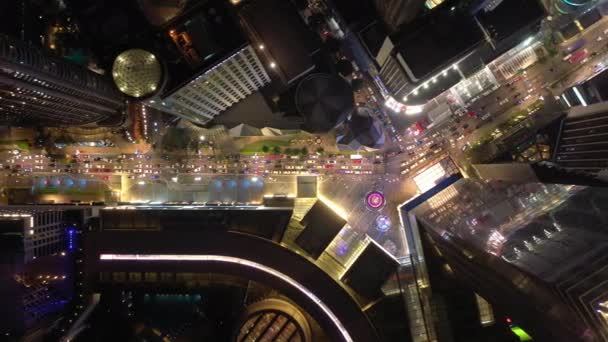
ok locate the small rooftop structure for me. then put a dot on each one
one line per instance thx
(362, 132)
(281, 36)
(324, 101)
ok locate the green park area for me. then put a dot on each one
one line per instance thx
(52, 190)
(22, 145)
(266, 146)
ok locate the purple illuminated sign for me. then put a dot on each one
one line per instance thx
(375, 200)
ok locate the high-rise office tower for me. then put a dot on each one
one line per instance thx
(425, 57)
(217, 67)
(583, 134)
(143, 256)
(583, 138)
(218, 88)
(534, 251)
(36, 278)
(37, 88)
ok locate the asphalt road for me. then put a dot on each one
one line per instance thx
(153, 164)
(515, 95)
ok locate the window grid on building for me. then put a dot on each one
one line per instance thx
(222, 87)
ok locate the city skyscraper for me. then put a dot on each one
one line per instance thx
(36, 88)
(36, 265)
(218, 88)
(526, 247)
(304, 171)
(425, 57)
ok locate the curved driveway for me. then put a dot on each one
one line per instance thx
(233, 245)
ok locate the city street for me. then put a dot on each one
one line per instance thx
(513, 97)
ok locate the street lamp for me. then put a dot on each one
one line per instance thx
(273, 65)
(202, 138)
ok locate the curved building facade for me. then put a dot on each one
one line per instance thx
(570, 6)
(274, 319)
(162, 249)
(36, 87)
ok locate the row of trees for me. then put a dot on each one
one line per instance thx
(290, 151)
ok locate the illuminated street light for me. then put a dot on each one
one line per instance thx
(141, 183)
(202, 138)
(261, 47)
(174, 179)
(254, 179)
(273, 65)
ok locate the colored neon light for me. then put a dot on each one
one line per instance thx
(71, 239)
(571, 3)
(523, 336)
(375, 200)
(383, 223)
(233, 260)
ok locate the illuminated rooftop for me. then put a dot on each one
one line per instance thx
(137, 73)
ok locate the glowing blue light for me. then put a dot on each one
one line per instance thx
(343, 248)
(82, 182)
(383, 223)
(232, 184)
(217, 183)
(71, 239)
(69, 182)
(572, 3)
